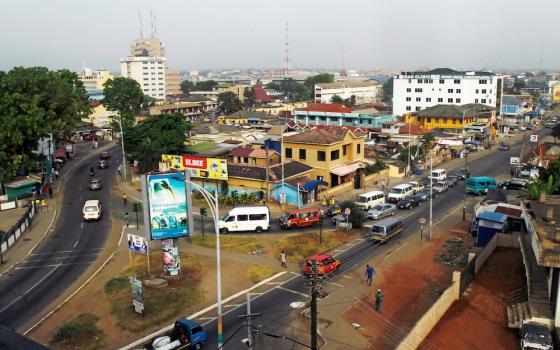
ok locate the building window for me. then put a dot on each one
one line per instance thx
(441, 81)
(483, 81)
(417, 109)
(458, 91)
(358, 148)
(335, 155)
(483, 91)
(428, 99)
(408, 98)
(323, 119)
(457, 100)
(490, 91)
(454, 121)
(302, 154)
(429, 120)
(450, 100)
(420, 81)
(436, 120)
(430, 81)
(450, 91)
(476, 100)
(418, 90)
(444, 120)
(440, 99)
(418, 99)
(288, 153)
(344, 150)
(457, 81)
(311, 118)
(321, 156)
(408, 90)
(490, 101)
(408, 108)
(483, 100)
(409, 81)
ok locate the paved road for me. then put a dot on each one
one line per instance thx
(64, 255)
(278, 318)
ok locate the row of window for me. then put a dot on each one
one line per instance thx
(160, 67)
(442, 81)
(322, 155)
(446, 120)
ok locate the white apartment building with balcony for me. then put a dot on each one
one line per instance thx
(365, 91)
(414, 91)
(149, 72)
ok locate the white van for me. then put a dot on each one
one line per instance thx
(92, 210)
(246, 219)
(369, 200)
(438, 175)
(399, 192)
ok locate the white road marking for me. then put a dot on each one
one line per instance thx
(345, 276)
(338, 250)
(30, 289)
(394, 251)
(56, 258)
(276, 283)
(66, 251)
(233, 305)
(76, 244)
(51, 265)
(81, 225)
(335, 284)
(210, 319)
(292, 291)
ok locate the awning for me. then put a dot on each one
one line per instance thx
(345, 169)
(311, 185)
(475, 143)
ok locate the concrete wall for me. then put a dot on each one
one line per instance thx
(424, 326)
(485, 253)
(349, 186)
(508, 240)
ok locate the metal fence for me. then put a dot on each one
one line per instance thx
(15, 232)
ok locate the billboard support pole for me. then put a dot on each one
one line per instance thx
(188, 197)
(148, 256)
(130, 259)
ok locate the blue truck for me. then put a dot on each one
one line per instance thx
(186, 334)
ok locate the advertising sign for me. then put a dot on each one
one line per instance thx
(206, 168)
(137, 243)
(534, 138)
(137, 294)
(167, 205)
(171, 258)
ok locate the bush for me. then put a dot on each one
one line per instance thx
(357, 216)
(115, 284)
(376, 167)
(83, 328)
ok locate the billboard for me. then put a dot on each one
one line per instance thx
(167, 203)
(206, 168)
(137, 243)
(137, 294)
(171, 258)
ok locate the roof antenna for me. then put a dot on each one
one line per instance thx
(152, 24)
(140, 27)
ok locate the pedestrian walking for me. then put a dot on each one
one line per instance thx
(124, 199)
(50, 192)
(56, 174)
(368, 275)
(119, 169)
(283, 259)
(126, 219)
(331, 201)
(378, 300)
(324, 202)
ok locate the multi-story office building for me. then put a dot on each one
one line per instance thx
(414, 91)
(173, 81)
(364, 92)
(149, 72)
(338, 115)
(93, 80)
(147, 47)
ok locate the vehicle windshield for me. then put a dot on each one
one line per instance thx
(378, 207)
(396, 190)
(90, 209)
(94, 181)
(377, 229)
(362, 199)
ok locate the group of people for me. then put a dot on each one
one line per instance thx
(331, 202)
(368, 276)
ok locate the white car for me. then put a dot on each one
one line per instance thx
(399, 192)
(92, 210)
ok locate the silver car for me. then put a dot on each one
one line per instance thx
(382, 210)
(441, 186)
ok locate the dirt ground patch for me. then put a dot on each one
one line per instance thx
(411, 283)
(480, 313)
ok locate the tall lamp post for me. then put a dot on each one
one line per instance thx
(122, 146)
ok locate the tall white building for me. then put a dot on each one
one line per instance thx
(365, 91)
(414, 91)
(149, 72)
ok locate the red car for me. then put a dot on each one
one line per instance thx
(326, 264)
(92, 137)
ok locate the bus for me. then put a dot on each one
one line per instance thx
(480, 185)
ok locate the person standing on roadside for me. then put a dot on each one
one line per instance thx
(124, 199)
(368, 275)
(126, 219)
(283, 259)
(379, 300)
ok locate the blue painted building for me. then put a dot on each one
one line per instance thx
(512, 106)
(342, 119)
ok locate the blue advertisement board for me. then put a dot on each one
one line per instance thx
(167, 205)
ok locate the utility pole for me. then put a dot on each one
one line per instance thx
(314, 306)
(431, 194)
(266, 171)
(250, 342)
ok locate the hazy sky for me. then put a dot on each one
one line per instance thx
(390, 34)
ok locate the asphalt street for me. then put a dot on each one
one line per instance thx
(65, 254)
(277, 317)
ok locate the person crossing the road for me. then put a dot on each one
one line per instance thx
(368, 275)
(126, 219)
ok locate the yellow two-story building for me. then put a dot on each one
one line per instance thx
(334, 153)
(451, 116)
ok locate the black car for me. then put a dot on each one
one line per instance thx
(514, 184)
(103, 164)
(104, 155)
(410, 202)
(452, 180)
(504, 147)
(95, 184)
(463, 173)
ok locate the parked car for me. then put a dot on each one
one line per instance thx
(425, 194)
(514, 184)
(452, 180)
(463, 173)
(300, 218)
(95, 184)
(104, 155)
(504, 147)
(480, 185)
(416, 186)
(382, 210)
(92, 137)
(409, 202)
(529, 127)
(333, 210)
(325, 263)
(338, 218)
(535, 335)
(426, 182)
(399, 192)
(185, 334)
(103, 164)
(368, 200)
(441, 186)
(438, 174)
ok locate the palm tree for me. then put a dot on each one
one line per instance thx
(536, 188)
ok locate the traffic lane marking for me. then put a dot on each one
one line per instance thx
(292, 291)
(51, 265)
(65, 251)
(58, 258)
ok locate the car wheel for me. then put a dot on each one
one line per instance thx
(224, 230)
(198, 346)
(259, 229)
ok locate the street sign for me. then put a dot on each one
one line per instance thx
(534, 138)
(422, 221)
(514, 160)
(347, 211)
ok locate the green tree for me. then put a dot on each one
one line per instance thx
(536, 188)
(228, 103)
(249, 95)
(357, 216)
(187, 86)
(413, 150)
(157, 135)
(310, 82)
(337, 99)
(293, 90)
(206, 85)
(224, 188)
(376, 167)
(124, 96)
(388, 90)
(33, 103)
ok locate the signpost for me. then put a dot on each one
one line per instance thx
(137, 295)
(422, 222)
(203, 213)
(534, 138)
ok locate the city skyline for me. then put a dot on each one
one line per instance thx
(398, 35)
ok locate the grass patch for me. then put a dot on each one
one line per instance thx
(300, 246)
(81, 332)
(159, 305)
(243, 244)
(257, 273)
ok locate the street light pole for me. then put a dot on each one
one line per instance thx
(431, 194)
(122, 146)
(409, 148)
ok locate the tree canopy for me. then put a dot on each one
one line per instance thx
(33, 103)
(388, 90)
(157, 135)
(293, 90)
(228, 103)
(310, 82)
(125, 96)
(348, 102)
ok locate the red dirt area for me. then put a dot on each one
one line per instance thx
(478, 320)
(411, 282)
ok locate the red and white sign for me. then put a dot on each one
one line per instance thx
(194, 162)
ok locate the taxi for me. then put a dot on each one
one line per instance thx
(326, 264)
